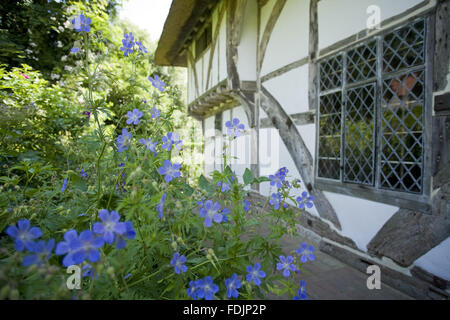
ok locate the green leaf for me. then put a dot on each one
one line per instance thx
(262, 179)
(204, 184)
(248, 176)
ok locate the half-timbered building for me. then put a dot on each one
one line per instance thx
(352, 97)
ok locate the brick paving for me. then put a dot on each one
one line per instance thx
(330, 279)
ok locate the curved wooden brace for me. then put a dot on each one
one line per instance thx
(299, 153)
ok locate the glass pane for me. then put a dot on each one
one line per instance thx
(362, 62)
(330, 136)
(402, 132)
(359, 134)
(331, 73)
(404, 48)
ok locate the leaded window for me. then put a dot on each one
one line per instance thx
(372, 112)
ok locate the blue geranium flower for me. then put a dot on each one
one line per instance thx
(286, 265)
(178, 263)
(128, 43)
(134, 116)
(157, 83)
(225, 186)
(90, 245)
(89, 271)
(160, 205)
(304, 199)
(246, 205)
(141, 47)
(79, 248)
(232, 284)
(41, 252)
(206, 289)
(301, 293)
(83, 174)
(70, 247)
(234, 128)
(224, 212)
(129, 234)
(123, 140)
(81, 23)
(306, 252)
(277, 179)
(64, 185)
(110, 226)
(149, 145)
(210, 211)
(171, 139)
(155, 112)
(193, 289)
(275, 200)
(23, 235)
(169, 171)
(254, 273)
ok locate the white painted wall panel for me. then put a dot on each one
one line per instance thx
(247, 47)
(209, 127)
(274, 155)
(209, 156)
(360, 219)
(265, 14)
(222, 49)
(437, 260)
(339, 19)
(308, 134)
(290, 37)
(291, 90)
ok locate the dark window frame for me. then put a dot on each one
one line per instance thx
(203, 40)
(419, 201)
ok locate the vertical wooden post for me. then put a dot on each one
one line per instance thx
(312, 55)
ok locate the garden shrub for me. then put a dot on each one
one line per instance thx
(122, 209)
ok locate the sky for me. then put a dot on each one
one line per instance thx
(147, 14)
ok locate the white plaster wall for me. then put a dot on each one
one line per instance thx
(360, 219)
(265, 14)
(247, 47)
(291, 89)
(222, 53)
(308, 134)
(274, 155)
(339, 19)
(209, 153)
(437, 260)
(290, 37)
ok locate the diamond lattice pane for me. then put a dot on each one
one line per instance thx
(330, 136)
(402, 132)
(362, 62)
(359, 134)
(404, 48)
(331, 73)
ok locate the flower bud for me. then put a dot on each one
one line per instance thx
(208, 256)
(180, 241)
(174, 245)
(211, 251)
(110, 271)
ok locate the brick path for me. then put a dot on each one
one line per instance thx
(330, 279)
